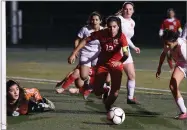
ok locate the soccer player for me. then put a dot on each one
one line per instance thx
(110, 59)
(177, 47)
(128, 24)
(184, 32)
(173, 24)
(89, 53)
(21, 101)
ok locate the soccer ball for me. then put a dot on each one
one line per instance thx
(116, 115)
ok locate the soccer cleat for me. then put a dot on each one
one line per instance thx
(59, 90)
(86, 93)
(106, 93)
(132, 101)
(50, 104)
(181, 116)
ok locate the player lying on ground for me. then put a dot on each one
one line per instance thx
(21, 101)
(173, 24)
(74, 76)
(110, 59)
(177, 47)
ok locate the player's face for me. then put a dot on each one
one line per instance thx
(171, 14)
(13, 92)
(113, 28)
(128, 11)
(95, 20)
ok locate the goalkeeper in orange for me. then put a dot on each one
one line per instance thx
(21, 101)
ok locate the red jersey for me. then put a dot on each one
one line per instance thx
(110, 47)
(170, 24)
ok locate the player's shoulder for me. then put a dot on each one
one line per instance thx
(86, 28)
(119, 16)
(165, 20)
(122, 37)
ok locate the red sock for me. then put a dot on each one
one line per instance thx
(170, 63)
(68, 82)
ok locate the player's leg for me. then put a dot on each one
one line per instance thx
(72, 77)
(63, 80)
(99, 80)
(176, 78)
(169, 60)
(79, 87)
(116, 75)
(85, 65)
(108, 80)
(129, 69)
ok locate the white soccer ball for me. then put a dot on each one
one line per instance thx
(116, 115)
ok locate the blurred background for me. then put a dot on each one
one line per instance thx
(56, 24)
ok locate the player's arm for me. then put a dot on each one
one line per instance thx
(179, 28)
(184, 32)
(125, 48)
(33, 94)
(77, 41)
(161, 61)
(161, 31)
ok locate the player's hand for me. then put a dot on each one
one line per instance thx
(158, 73)
(77, 55)
(71, 59)
(116, 63)
(137, 50)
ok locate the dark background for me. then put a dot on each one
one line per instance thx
(55, 24)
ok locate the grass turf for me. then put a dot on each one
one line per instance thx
(155, 112)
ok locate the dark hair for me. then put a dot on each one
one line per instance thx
(168, 11)
(9, 84)
(95, 13)
(170, 36)
(117, 20)
(126, 3)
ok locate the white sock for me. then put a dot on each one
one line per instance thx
(131, 87)
(180, 103)
(87, 80)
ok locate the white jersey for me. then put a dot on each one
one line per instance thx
(184, 32)
(127, 26)
(92, 46)
(179, 53)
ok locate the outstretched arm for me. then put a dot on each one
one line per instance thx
(161, 61)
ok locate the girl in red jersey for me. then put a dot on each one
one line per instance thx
(21, 101)
(173, 24)
(113, 43)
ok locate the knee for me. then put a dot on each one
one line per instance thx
(76, 73)
(131, 76)
(84, 76)
(173, 84)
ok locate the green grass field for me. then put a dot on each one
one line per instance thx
(156, 111)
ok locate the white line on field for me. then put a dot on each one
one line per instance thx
(35, 80)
